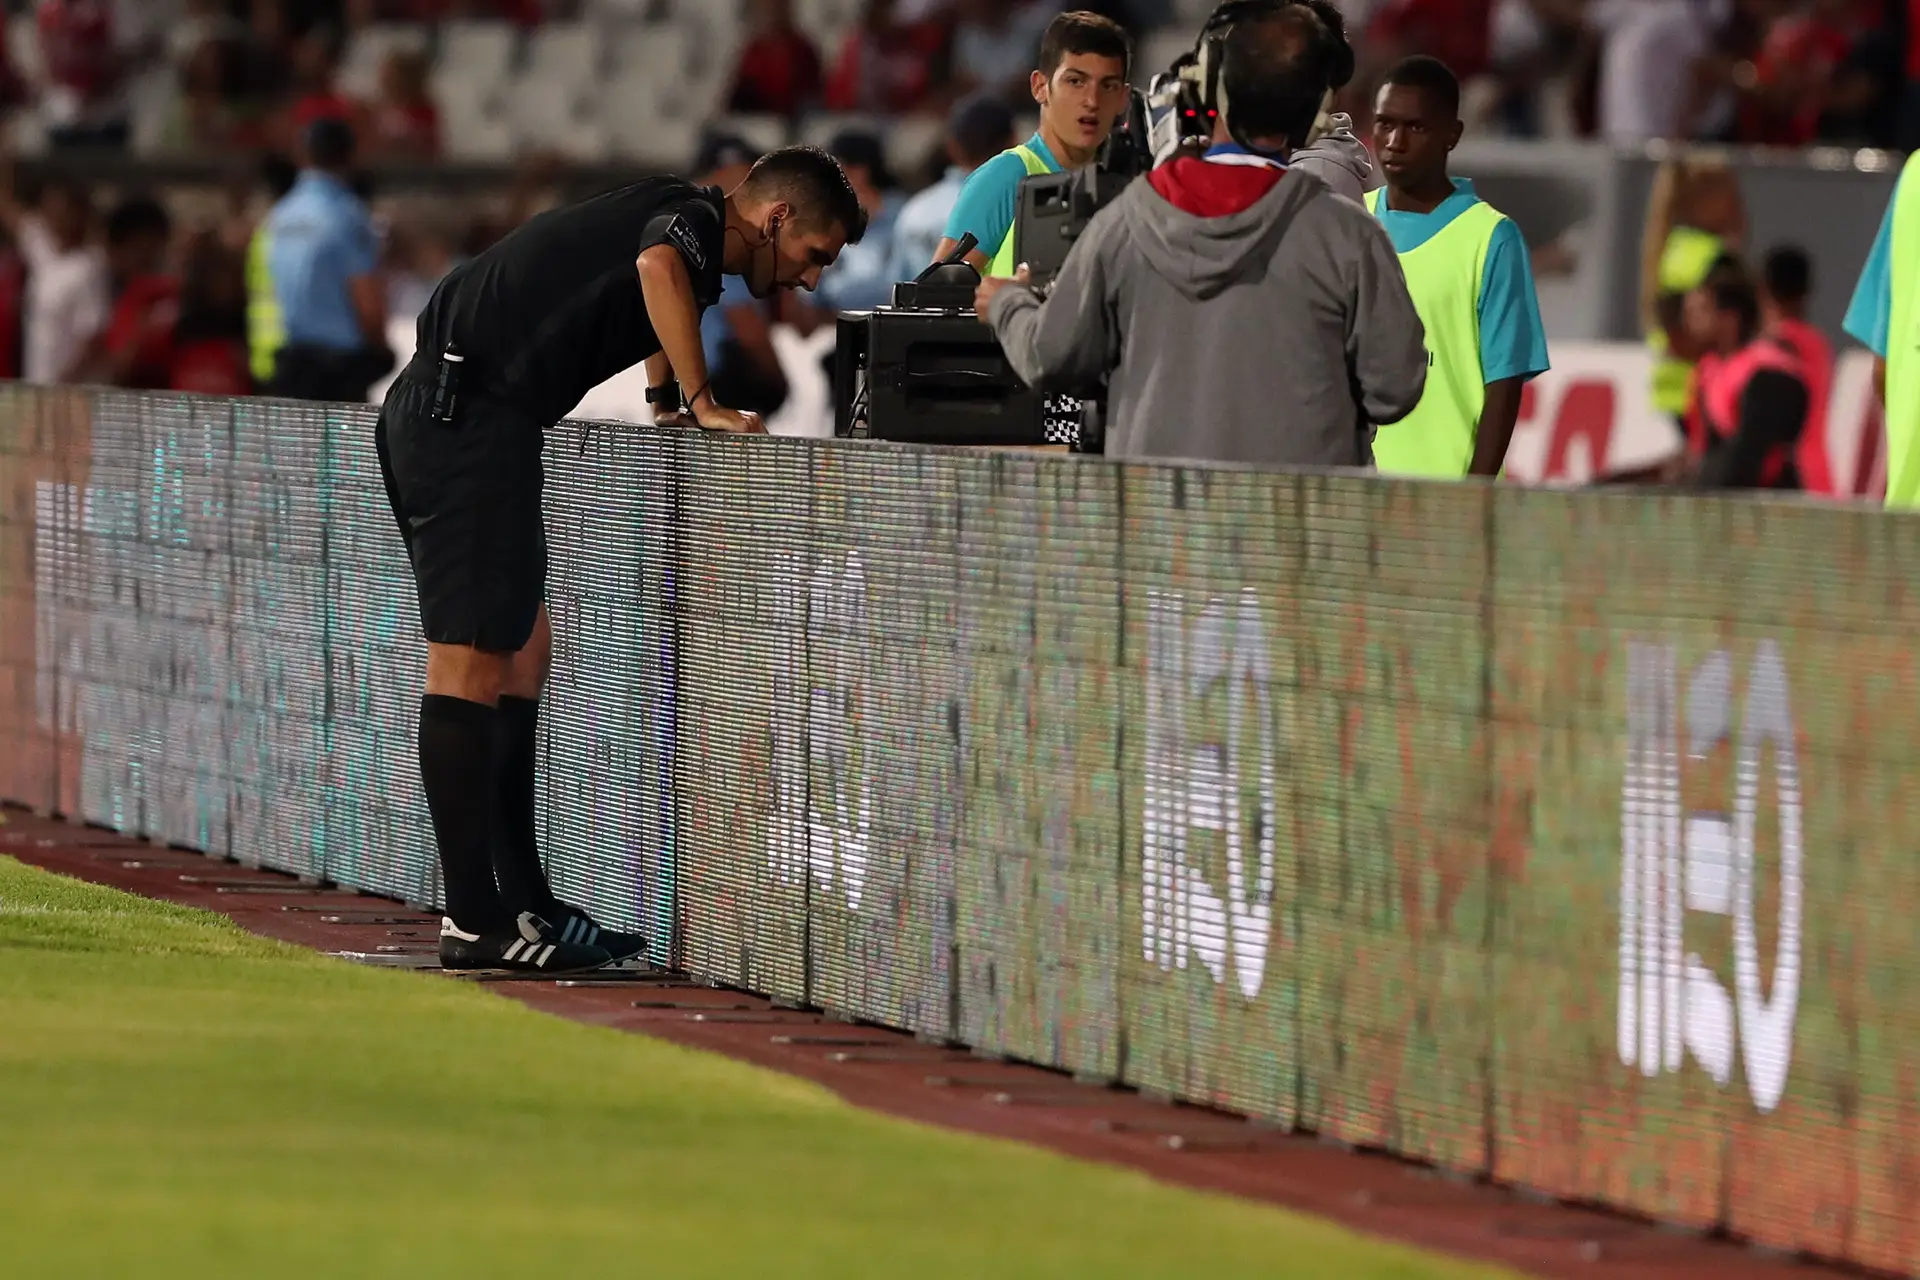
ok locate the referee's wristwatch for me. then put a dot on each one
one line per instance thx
(665, 396)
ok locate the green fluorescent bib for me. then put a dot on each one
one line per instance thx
(265, 331)
(1903, 345)
(1684, 262)
(1444, 275)
(1005, 263)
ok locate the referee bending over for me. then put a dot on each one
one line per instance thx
(510, 343)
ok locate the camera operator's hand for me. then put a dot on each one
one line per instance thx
(990, 289)
(713, 417)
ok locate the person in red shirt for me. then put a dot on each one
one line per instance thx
(133, 349)
(1748, 422)
(779, 69)
(84, 73)
(404, 123)
(1793, 74)
(208, 355)
(1457, 32)
(13, 304)
(887, 65)
(1786, 279)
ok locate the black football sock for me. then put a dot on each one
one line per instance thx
(516, 848)
(457, 768)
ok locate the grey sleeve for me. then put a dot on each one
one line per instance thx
(1339, 159)
(1339, 177)
(1386, 343)
(1064, 343)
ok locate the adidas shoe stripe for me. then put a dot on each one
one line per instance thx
(545, 956)
(448, 929)
(515, 947)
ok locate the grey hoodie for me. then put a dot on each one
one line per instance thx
(1276, 336)
(1338, 158)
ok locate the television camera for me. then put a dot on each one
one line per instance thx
(1183, 102)
(926, 369)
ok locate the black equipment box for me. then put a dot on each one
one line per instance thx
(927, 371)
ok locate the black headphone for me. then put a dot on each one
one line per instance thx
(1209, 53)
(1340, 50)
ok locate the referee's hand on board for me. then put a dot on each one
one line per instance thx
(738, 422)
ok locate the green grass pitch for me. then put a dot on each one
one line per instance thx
(179, 1098)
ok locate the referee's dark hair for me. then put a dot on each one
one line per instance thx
(812, 183)
(1431, 77)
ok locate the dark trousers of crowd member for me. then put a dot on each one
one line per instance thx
(332, 374)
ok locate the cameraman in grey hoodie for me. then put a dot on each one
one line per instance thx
(1236, 310)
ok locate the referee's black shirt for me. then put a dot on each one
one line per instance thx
(555, 309)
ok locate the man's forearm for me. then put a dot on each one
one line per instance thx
(1016, 322)
(1054, 345)
(668, 293)
(659, 370)
(1499, 414)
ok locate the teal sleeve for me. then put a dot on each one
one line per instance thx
(1871, 312)
(986, 205)
(1513, 341)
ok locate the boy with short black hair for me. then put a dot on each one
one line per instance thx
(1467, 268)
(1750, 395)
(1786, 281)
(1081, 86)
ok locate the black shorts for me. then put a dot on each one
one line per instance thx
(467, 499)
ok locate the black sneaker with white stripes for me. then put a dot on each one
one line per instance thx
(576, 925)
(531, 946)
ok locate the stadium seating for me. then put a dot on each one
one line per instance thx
(629, 79)
(370, 46)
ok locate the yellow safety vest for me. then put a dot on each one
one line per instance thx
(1685, 259)
(1903, 329)
(266, 330)
(1444, 275)
(1005, 262)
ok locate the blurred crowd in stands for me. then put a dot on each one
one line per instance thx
(635, 79)
(910, 94)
